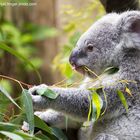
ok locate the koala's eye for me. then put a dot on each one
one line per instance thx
(90, 48)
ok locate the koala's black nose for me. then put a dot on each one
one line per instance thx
(73, 58)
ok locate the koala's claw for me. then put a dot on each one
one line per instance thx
(34, 93)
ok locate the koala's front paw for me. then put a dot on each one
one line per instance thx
(34, 89)
(39, 102)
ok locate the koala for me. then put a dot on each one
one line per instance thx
(112, 41)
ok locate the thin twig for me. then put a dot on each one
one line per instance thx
(19, 82)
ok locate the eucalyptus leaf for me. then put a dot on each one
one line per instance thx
(53, 131)
(11, 135)
(123, 99)
(128, 91)
(97, 104)
(19, 56)
(90, 109)
(28, 105)
(45, 91)
(2, 90)
(42, 136)
(8, 126)
(26, 136)
(42, 125)
(59, 133)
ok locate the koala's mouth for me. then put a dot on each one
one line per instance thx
(85, 70)
(80, 69)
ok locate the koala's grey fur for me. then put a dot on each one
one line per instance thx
(115, 39)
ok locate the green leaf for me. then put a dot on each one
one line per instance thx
(42, 125)
(128, 91)
(90, 109)
(36, 33)
(42, 136)
(53, 131)
(26, 136)
(8, 126)
(19, 56)
(17, 119)
(68, 72)
(59, 134)
(10, 34)
(22, 1)
(37, 62)
(11, 135)
(28, 105)
(6, 85)
(2, 90)
(97, 104)
(47, 92)
(123, 100)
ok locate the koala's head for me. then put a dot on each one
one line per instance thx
(103, 44)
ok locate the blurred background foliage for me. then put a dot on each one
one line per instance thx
(44, 34)
(77, 18)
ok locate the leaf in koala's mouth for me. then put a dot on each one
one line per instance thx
(90, 72)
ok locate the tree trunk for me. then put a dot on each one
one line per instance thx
(41, 14)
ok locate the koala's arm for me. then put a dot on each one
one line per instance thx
(54, 119)
(57, 119)
(75, 102)
(72, 102)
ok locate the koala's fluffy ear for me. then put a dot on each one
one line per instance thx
(129, 27)
(129, 22)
